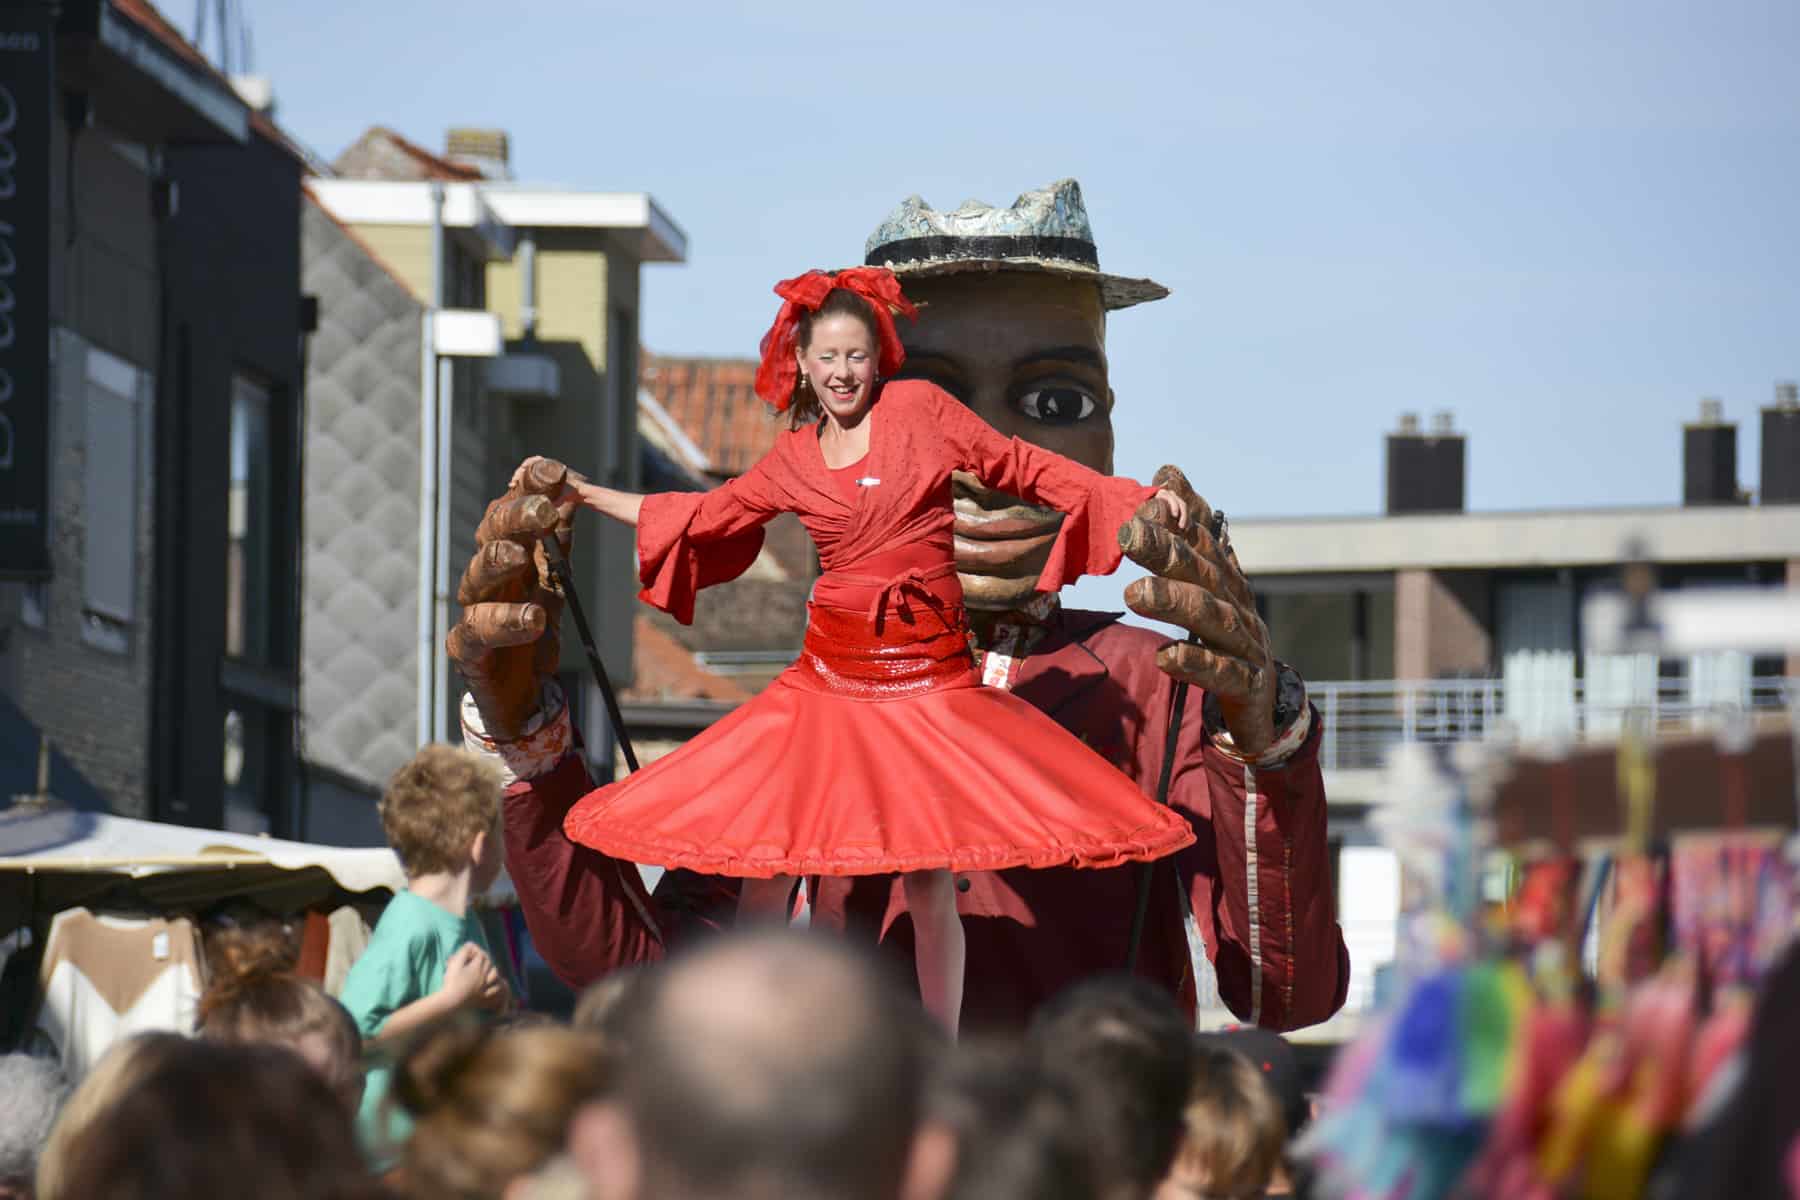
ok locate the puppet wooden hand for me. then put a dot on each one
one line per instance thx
(1196, 583)
(507, 642)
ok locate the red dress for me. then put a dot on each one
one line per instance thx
(879, 751)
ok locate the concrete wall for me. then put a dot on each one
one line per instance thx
(406, 250)
(1793, 584)
(1441, 624)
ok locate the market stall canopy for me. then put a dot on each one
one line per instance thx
(55, 858)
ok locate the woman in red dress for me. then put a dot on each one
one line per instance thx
(858, 759)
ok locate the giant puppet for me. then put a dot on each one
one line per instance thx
(1012, 323)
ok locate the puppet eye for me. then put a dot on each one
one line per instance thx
(1057, 405)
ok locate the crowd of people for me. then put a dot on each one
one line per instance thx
(765, 1061)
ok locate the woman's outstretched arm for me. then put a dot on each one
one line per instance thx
(620, 506)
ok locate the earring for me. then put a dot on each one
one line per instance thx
(804, 381)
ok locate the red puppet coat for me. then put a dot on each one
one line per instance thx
(879, 751)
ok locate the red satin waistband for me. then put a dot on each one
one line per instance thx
(905, 590)
(847, 653)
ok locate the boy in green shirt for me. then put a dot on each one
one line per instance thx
(428, 957)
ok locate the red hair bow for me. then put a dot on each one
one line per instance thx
(778, 372)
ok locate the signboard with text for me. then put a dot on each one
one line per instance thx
(27, 50)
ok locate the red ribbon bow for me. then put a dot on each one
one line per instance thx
(778, 372)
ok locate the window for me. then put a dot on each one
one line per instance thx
(109, 498)
(249, 560)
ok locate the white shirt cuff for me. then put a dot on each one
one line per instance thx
(545, 741)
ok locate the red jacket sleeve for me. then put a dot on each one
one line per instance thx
(588, 913)
(690, 540)
(1276, 947)
(1094, 506)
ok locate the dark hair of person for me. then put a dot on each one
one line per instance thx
(1018, 1127)
(492, 1104)
(839, 302)
(221, 1119)
(1125, 1046)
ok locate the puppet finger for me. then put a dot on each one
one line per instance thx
(527, 516)
(1224, 676)
(1215, 622)
(488, 627)
(500, 570)
(1164, 553)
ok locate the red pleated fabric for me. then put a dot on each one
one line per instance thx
(878, 753)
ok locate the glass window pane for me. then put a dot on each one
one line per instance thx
(248, 564)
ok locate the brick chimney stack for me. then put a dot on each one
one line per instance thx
(1426, 471)
(487, 150)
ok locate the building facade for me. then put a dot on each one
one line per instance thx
(151, 631)
(558, 272)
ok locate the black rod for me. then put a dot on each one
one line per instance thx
(559, 563)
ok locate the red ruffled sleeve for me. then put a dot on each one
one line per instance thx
(1093, 505)
(690, 540)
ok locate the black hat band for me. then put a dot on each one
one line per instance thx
(950, 249)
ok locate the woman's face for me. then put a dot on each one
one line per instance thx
(839, 363)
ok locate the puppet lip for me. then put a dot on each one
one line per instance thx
(1007, 521)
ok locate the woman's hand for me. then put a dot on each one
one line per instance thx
(573, 489)
(1177, 507)
(578, 492)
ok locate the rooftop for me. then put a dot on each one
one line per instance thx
(1499, 540)
(712, 399)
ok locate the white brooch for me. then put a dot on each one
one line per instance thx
(868, 481)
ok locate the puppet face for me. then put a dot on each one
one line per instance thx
(839, 364)
(1027, 352)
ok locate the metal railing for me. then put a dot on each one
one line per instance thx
(1363, 719)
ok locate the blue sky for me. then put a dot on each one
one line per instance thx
(1565, 222)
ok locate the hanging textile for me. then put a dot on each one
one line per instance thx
(105, 977)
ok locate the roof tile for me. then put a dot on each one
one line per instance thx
(714, 401)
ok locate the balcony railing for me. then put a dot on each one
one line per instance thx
(1364, 719)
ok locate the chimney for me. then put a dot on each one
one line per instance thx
(1425, 471)
(257, 91)
(1781, 448)
(1709, 457)
(487, 150)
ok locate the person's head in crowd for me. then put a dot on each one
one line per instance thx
(31, 1094)
(1125, 1046)
(492, 1106)
(1018, 1128)
(605, 1007)
(119, 1070)
(1234, 1132)
(1275, 1060)
(441, 815)
(252, 996)
(221, 1119)
(769, 1063)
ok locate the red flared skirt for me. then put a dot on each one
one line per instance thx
(878, 751)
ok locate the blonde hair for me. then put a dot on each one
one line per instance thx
(1233, 1131)
(119, 1070)
(491, 1106)
(435, 807)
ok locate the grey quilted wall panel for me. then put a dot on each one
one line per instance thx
(360, 566)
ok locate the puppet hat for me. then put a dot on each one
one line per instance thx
(1045, 230)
